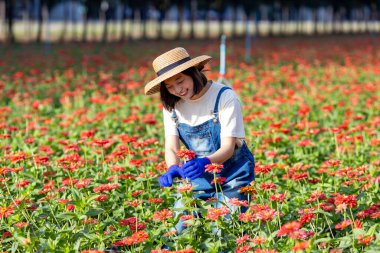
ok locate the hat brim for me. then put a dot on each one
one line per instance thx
(154, 85)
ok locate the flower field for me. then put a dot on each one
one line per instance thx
(81, 149)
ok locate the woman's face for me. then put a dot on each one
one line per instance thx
(181, 86)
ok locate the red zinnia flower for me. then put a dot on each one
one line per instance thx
(219, 180)
(185, 154)
(259, 240)
(266, 251)
(289, 228)
(105, 187)
(21, 224)
(267, 214)
(243, 249)
(306, 218)
(23, 183)
(6, 211)
(128, 221)
(342, 225)
(215, 213)
(185, 188)
(70, 207)
(280, 197)
(268, 186)
(101, 198)
(365, 240)
(349, 200)
(301, 245)
(136, 238)
(163, 215)
(237, 202)
(83, 183)
(214, 168)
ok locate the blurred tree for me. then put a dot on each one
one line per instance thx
(139, 13)
(181, 16)
(193, 14)
(250, 7)
(313, 5)
(123, 5)
(104, 6)
(40, 20)
(9, 8)
(43, 16)
(285, 16)
(25, 18)
(234, 20)
(205, 5)
(162, 6)
(66, 15)
(86, 16)
(2, 17)
(220, 7)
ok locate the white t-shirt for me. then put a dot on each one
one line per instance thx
(195, 112)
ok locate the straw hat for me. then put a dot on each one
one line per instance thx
(171, 63)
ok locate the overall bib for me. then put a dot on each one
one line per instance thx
(204, 140)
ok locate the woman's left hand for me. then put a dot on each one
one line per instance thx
(195, 167)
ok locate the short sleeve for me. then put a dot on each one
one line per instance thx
(169, 124)
(230, 115)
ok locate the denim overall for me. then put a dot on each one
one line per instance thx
(204, 140)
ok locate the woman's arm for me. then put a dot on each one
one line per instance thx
(171, 146)
(227, 147)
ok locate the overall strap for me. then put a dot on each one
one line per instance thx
(174, 117)
(218, 98)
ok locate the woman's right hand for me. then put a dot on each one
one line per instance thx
(174, 171)
(195, 167)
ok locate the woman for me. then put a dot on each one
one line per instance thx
(206, 117)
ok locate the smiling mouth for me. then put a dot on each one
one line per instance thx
(183, 94)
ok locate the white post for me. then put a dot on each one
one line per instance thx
(222, 67)
(247, 57)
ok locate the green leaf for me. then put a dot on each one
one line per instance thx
(94, 212)
(326, 239)
(43, 215)
(67, 215)
(345, 242)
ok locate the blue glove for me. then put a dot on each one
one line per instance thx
(195, 167)
(166, 180)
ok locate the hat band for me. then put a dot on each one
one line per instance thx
(172, 66)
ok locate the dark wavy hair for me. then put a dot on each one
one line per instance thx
(200, 80)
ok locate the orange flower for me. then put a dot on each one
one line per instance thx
(185, 154)
(163, 215)
(249, 189)
(289, 228)
(259, 240)
(214, 168)
(6, 211)
(215, 213)
(365, 240)
(237, 202)
(342, 225)
(301, 245)
(185, 188)
(242, 249)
